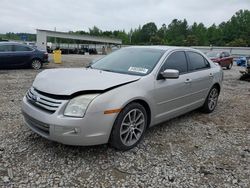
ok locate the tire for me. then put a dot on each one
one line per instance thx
(36, 64)
(129, 127)
(230, 66)
(211, 100)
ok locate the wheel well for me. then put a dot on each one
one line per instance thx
(147, 108)
(217, 86)
(35, 58)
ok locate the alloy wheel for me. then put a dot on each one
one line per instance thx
(36, 64)
(213, 98)
(132, 127)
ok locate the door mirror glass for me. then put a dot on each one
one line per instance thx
(170, 74)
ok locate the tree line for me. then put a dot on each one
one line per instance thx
(234, 32)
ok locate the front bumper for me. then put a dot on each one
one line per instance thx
(94, 128)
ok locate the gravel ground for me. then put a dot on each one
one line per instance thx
(194, 150)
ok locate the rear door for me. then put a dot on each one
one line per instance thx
(5, 55)
(172, 95)
(228, 59)
(22, 55)
(201, 77)
(223, 59)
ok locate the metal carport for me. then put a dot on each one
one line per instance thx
(42, 35)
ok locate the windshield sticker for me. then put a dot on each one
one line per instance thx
(138, 69)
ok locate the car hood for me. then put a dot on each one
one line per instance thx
(71, 80)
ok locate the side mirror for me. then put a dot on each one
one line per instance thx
(170, 74)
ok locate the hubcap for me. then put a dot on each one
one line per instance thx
(212, 99)
(36, 64)
(132, 127)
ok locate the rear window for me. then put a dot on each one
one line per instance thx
(213, 54)
(226, 54)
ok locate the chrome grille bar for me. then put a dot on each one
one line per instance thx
(44, 102)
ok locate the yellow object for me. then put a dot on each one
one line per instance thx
(57, 55)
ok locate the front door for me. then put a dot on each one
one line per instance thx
(21, 55)
(172, 95)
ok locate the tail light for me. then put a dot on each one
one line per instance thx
(248, 63)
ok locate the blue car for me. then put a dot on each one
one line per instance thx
(16, 55)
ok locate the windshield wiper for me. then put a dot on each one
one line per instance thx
(107, 70)
(89, 66)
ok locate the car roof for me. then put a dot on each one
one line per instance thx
(12, 43)
(165, 48)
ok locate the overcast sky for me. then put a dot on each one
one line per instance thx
(72, 15)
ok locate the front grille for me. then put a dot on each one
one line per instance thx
(43, 102)
(39, 127)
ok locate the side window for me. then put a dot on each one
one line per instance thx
(5, 48)
(197, 61)
(19, 48)
(226, 54)
(176, 60)
(222, 55)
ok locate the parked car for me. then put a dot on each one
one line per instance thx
(119, 96)
(14, 55)
(224, 59)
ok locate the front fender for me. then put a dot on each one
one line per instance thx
(119, 97)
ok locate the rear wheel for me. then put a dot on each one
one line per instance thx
(211, 101)
(36, 64)
(129, 127)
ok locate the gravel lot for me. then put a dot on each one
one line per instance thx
(194, 150)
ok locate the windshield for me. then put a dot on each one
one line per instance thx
(213, 54)
(135, 61)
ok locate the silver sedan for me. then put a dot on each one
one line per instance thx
(118, 97)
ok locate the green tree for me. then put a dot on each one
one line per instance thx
(191, 40)
(162, 34)
(214, 36)
(198, 34)
(238, 42)
(136, 37)
(148, 31)
(95, 31)
(177, 32)
(238, 27)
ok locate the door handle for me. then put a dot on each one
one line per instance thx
(188, 81)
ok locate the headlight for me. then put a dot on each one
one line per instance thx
(78, 105)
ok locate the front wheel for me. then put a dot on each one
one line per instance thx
(211, 100)
(129, 127)
(36, 64)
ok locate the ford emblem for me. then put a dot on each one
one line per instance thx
(34, 98)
